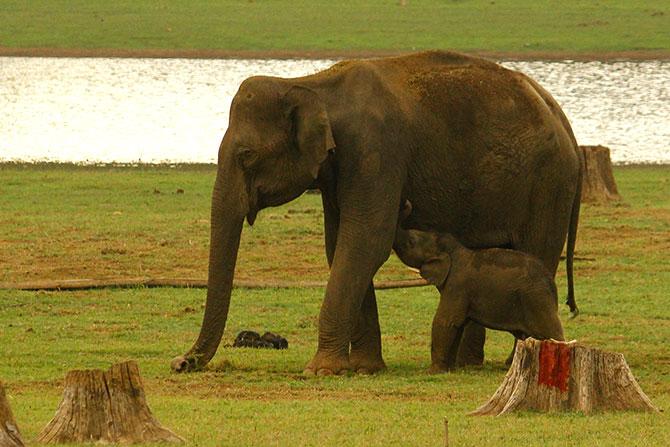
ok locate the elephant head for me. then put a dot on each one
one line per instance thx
(427, 251)
(278, 135)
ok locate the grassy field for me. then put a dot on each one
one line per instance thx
(111, 222)
(522, 26)
(63, 221)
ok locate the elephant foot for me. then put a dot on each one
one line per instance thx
(327, 365)
(365, 363)
(183, 364)
(438, 369)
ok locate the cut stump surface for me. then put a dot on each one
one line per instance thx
(559, 376)
(105, 406)
(9, 431)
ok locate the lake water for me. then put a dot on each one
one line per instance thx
(176, 110)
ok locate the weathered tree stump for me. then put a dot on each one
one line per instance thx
(557, 376)
(598, 185)
(105, 406)
(9, 431)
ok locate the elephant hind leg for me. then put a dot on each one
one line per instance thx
(539, 317)
(545, 325)
(471, 345)
(452, 353)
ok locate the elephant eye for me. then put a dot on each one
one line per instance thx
(246, 157)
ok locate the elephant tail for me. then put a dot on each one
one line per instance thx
(572, 237)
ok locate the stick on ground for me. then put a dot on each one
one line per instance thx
(83, 284)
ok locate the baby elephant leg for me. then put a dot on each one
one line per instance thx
(471, 346)
(454, 349)
(554, 327)
(446, 333)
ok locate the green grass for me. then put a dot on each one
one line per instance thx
(258, 397)
(109, 222)
(269, 25)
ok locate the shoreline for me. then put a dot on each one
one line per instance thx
(602, 56)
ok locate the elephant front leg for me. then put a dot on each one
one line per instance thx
(348, 316)
(334, 361)
(447, 330)
(444, 346)
(366, 347)
(366, 343)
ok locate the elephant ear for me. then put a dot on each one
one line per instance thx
(436, 270)
(311, 126)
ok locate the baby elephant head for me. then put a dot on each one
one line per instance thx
(421, 250)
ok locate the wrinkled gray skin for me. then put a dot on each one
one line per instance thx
(498, 288)
(481, 151)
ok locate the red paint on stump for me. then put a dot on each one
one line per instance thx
(554, 365)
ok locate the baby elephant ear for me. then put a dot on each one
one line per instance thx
(436, 270)
(310, 126)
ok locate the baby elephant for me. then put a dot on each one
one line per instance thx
(500, 289)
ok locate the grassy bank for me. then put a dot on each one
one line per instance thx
(518, 26)
(111, 222)
(61, 221)
(65, 221)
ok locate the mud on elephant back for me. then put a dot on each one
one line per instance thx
(481, 151)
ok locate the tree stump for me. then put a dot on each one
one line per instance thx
(105, 406)
(557, 376)
(598, 185)
(9, 431)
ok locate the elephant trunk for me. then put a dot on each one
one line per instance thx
(227, 217)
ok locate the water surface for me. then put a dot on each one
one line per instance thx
(176, 110)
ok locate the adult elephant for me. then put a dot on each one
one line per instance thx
(481, 152)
